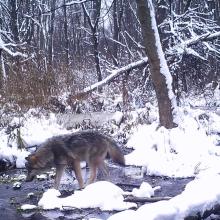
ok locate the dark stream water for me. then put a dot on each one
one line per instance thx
(30, 192)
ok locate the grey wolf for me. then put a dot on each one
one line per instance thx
(69, 150)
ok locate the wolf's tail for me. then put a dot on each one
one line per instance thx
(116, 153)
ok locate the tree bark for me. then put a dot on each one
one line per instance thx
(93, 24)
(14, 20)
(187, 5)
(66, 47)
(158, 66)
(51, 33)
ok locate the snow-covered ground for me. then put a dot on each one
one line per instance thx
(189, 150)
(199, 195)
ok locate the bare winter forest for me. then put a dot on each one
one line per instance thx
(52, 50)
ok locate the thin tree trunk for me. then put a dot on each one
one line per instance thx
(187, 5)
(51, 32)
(14, 20)
(1, 71)
(66, 47)
(117, 7)
(94, 29)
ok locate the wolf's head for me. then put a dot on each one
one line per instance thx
(34, 167)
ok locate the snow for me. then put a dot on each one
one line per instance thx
(117, 117)
(34, 132)
(74, 2)
(183, 151)
(189, 150)
(145, 190)
(46, 127)
(192, 200)
(4, 47)
(102, 194)
(10, 153)
(28, 207)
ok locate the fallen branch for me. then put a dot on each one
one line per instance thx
(203, 37)
(128, 185)
(145, 199)
(114, 74)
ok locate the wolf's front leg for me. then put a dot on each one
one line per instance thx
(59, 171)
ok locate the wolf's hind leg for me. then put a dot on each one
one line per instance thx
(104, 169)
(77, 169)
(59, 171)
(94, 164)
(93, 173)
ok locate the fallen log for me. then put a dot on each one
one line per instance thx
(145, 199)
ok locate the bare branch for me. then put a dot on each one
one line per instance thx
(115, 73)
(63, 5)
(204, 37)
(87, 16)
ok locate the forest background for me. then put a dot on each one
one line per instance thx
(51, 50)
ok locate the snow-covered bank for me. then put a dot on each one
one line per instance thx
(34, 131)
(180, 152)
(199, 195)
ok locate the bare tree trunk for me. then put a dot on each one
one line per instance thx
(117, 18)
(14, 19)
(66, 47)
(187, 5)
(94, 29)
(158, 66)
(1, 71)
(217, 11)
(51, 32)
(41, 33)
(116, 33)
(29, 8)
